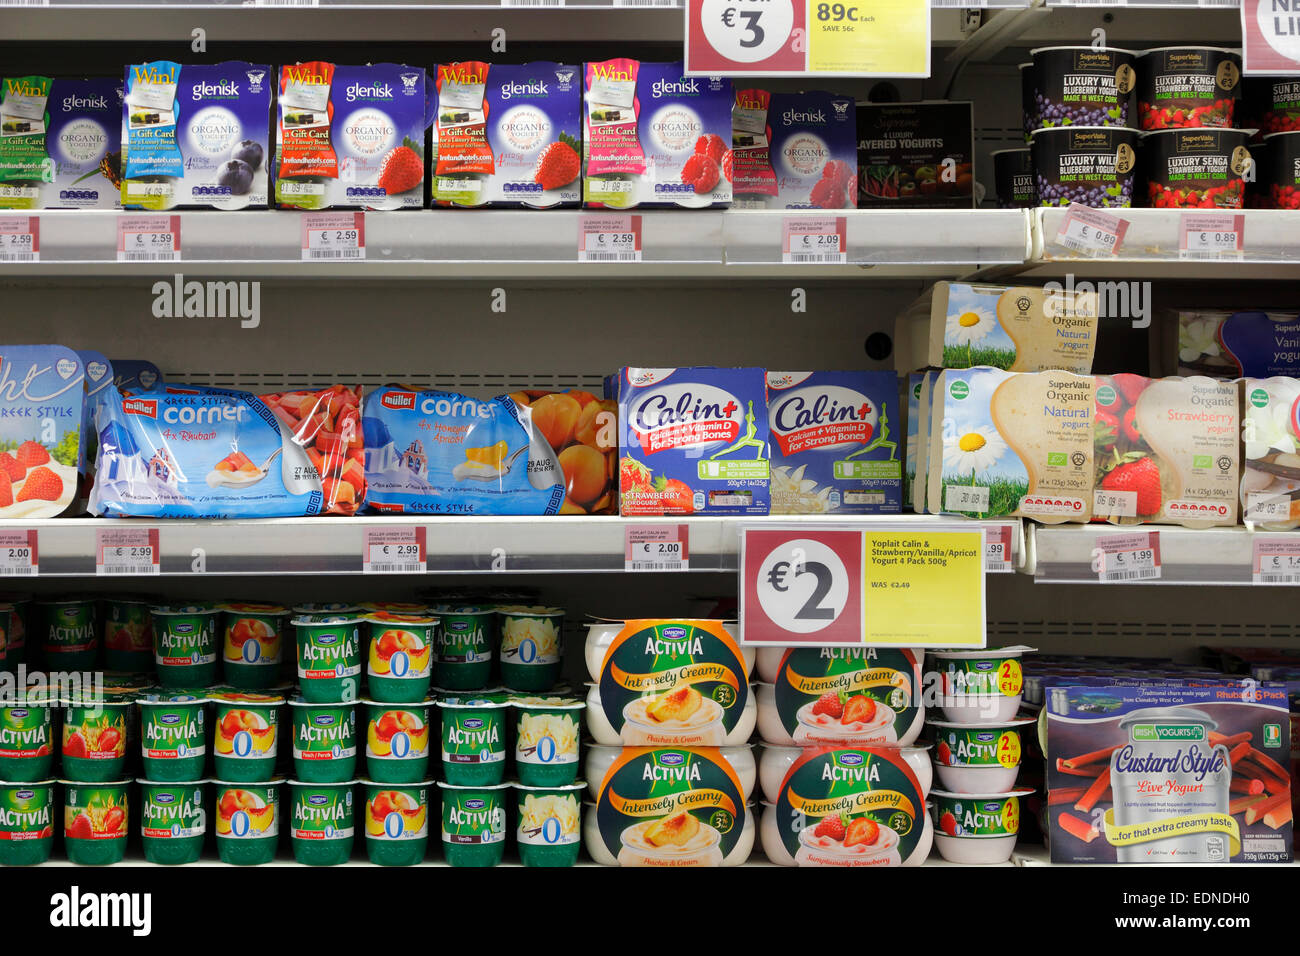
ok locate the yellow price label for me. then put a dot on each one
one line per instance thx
(877, 38)
(923, 588)
(1011, 815)
(1009, 749)
(1011, 679)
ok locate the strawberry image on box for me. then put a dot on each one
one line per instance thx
(41, 399)
(794, 150)
(692, 441)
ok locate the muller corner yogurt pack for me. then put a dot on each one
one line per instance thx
(41, 397)
(794, 150)
(654, 137)
(60, 143)
(692, 440)
(508, 135)
(834, 442)
(196, 135)
(351, 136)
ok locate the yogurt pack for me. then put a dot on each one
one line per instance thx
(441, 453)
(1270, 477)
(196, 135)
(653, 137)
(60, 143)
(794, 150)
(508, 135)
(1254, 343)
(692, 440)
(351, 136)
(913, 444)
(831, 445)
(41, 400)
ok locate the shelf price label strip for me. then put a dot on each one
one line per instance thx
(999, 544)
(1126, 558)
(605, 238)
(148, 238)
(1091, 232)
(19, 556)
(814, 239)
(657, 547)
(126, 551)
(20, 239)
(395, 551)
(1211, 235)
(1275, 560)
(330, 236)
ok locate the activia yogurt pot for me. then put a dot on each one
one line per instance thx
(324, 741)
(1013, 179)
(465, 648)
(173, 735)
(531, 646)
(252, 643)
(474, 739)
(474, 823)
(397, 821)
(245, 735)
(978, 758)
(739, 761)
(601, 635)
(26, 822)
(1091, 165)
(94, 739)
(185, 643)
(397, 741)
(639, 728)
(321, 822)
(26, 741)
(776, 851)
(248, 821)
(547, 731)
(94, 821)
(1188, 86)
(1195, 168)
(172, 821)
(775, 762)
(128, 635)
(976, 828)
(68, 637)
(549, 829)
(983, 686)
(329, 657)
(1083, 85)
(399, 655)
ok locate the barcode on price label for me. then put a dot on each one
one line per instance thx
(18, 554)
(609, 239)
(394, 551)
(1275, 561)
(1211, 235)
(333, 236)
(1091, 231)
(1127, 557)
(657, 548)
(814, 239)
(149, 239)
(20, 239)
(126, 551)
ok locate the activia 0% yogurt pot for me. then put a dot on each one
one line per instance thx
(397, 821)
(252, 643)
(185, 643)
(397, 740)
(547, 732)
(246, 728)
(531, 646)
(324, 741)
(399, 655)
(248, 821)
(549, 830)
(329, 657)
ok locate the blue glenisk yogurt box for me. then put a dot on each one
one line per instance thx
(835, 442)
(812, 147)
(59, 148)
(196, 136)
(41, 397)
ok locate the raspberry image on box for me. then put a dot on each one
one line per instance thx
(41, 400)
(794, 150)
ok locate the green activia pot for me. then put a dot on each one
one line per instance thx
(27, 813)
(185, 644)
(26, 742)
(248, 821)
(465, 647)
(547, 731)
(15, 637)
(172, 821)
(321, 825)
(473, 739)
(397, 741)
(399, 658)
(68, 636)
(324, 741)
(549, 830)
(397, 822)
(246, 730)
(173, 735)
(128, 636)
(531, 647)
(329, 657)
(252, 644)
(95, 819)
(474, 824)
(94, 740)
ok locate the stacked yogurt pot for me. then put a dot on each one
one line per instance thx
(845, 715)
(978, 747)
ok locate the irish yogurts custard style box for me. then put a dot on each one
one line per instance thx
(654, 137)
(834, 442)
(692, 440)
(794, 150)
(508, 135)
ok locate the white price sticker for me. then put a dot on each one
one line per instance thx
(966, 499)
(149, 239)
(18, 554)
(997, 548)
(1091, 232)
(815, 240)
(1127, 557)
(20, 239)
(657, 547)
(1268, 507)
(126, 551)
(1275, 561)
(333, 236)
(394, 551)
(1211, 235)
(1114, 504)
(609, 239)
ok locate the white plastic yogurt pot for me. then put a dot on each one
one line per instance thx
(977, 828)
(979, 758)
(601, 634)
(980, 686)
(599, 758)
(774, 762)
(776, 852)
(880, 730)
(769, 658)
(634, 854)
(640, 731)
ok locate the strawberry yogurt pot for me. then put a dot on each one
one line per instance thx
(978, 758)
(95, 821)
(27, 812)
(977, 828)
(981, 686)
(1186, 86)
(774, 763)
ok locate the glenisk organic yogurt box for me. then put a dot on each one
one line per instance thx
(41, 399)
(810, 143)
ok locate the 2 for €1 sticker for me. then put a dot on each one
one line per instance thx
(1009, 749)
(1011, 679)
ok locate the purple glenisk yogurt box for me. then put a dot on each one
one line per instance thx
(196, 136)
(810, 145)
(835, 442)
(654, 137)
(508, 135)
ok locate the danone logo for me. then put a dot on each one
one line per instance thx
(828, 416)
(851, 759)
(140, 406)
(674, 633)
(170, 718)
(164, 798)
(318, 800)
(398, 400)
(474, 803)
(324, 720)
(459, 625)
(473, 723)
(672, 759)
(327, 640)
(687, 415)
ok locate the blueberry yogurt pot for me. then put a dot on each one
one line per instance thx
(1090, 165)
(1083, 86)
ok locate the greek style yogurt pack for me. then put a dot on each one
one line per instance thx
(809, 142)
(654, 137)
(41, 398)
(351, 136)
(508, 135)
(60, 143)
(442, 453)
(831, 442)
(196, 135)
(135, 375)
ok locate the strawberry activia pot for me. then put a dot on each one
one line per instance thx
(94, 739)
(397, 821)
(95, 821)
(977, 758)
(128, 636)
(26, 741)
(27, 820)
(977, 828)
(983, 686)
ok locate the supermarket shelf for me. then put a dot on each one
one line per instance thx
(1064, 553)
(324, 545)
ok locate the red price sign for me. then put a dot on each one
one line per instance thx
(18, 554)
(1270, 41)
(801, 587)
(740, 37)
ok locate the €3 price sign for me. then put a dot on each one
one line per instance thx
(884, 586)
(808, 37)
